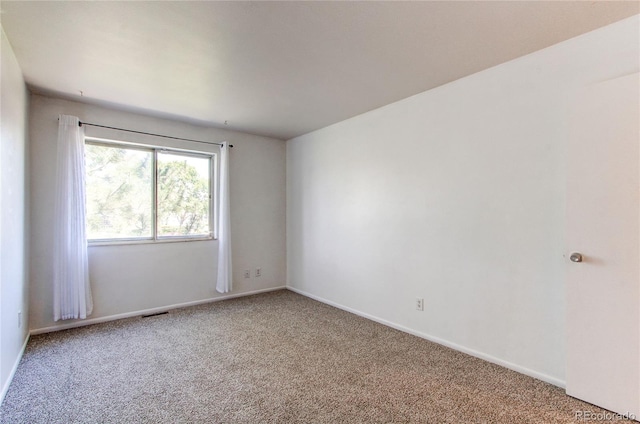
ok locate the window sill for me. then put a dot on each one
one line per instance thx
(146, 241)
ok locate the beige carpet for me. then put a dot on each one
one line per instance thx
(272, 358)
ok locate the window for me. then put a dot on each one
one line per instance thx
(139, 193)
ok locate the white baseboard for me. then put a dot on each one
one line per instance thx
(7, 383)
(157, 310)
(472, 352)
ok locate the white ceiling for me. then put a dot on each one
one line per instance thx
(279, 69)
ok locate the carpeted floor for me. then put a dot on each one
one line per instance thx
(272, 358)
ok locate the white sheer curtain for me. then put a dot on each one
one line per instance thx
(72, 293)
(225, 275)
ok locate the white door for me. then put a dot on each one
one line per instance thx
(602, 223)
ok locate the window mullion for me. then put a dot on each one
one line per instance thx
(155, 194)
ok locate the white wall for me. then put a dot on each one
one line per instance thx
(455, 195)
(139, 277)
(13, 222)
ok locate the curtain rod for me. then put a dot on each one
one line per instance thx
(146, 133)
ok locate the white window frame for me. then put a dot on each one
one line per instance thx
(154, 150)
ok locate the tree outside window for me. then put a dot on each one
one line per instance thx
(122, 192)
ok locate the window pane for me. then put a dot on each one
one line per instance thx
(183, 195)
(119, 192)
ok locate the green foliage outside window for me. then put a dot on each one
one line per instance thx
(120, 193)
(183, 195)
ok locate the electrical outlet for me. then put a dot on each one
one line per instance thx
(419, 304)
(247, 273)
(19, 319)
(258, 272)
